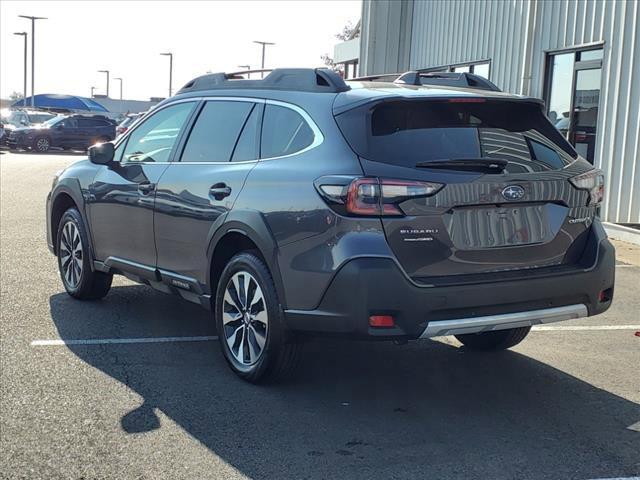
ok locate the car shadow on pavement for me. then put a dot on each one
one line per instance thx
(50, 152)
(354, 409)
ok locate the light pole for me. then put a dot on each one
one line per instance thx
(24, 94)
(170, 55)
(264, 44)
(246, 67)
(92, 89)
(120, 86)
(107, 72)
(33, 49)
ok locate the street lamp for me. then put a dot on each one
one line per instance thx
(170, 55)
(264, 44)
(107, 72)
(33, 57)
(120, 86)
(24, 95)
(92, 89)
(246, 67)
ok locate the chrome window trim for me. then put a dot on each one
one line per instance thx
(318, 137)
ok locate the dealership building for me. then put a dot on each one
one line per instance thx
(580, 56)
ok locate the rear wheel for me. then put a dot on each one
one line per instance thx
(41, 144)
(250, 323)
(496, 340)
(74, 260)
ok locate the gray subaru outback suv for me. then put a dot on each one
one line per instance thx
(303, 205)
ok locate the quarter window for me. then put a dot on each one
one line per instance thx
(216, 131)
(154, 139)
(284, 131)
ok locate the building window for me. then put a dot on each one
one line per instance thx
(477, 68)
(572, 94)
(350, 69)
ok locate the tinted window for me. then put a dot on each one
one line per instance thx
(284, 132)
(69, 123)
(248, 145)
(39, 118)
(545, 154)
(90, 122)
(215, 132)
(406, 133)
(154, 138)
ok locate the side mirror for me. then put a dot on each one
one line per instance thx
(24, 122)
(101, 153)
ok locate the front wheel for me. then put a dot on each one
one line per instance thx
(41, 144)
(250, 322)
(496, 340)
(79, 280)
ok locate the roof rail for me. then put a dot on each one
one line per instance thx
(299, 79)
(383, 77)
(449, 79)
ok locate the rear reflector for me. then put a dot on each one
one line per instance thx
(384, 321)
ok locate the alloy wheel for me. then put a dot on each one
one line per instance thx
(71, 254)
(244, 318)
(42, 145)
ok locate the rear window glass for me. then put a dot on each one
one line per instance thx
(406, 133)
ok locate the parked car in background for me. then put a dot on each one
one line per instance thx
(302, 205)
(126, 123)
(70, 132)
(21, 119)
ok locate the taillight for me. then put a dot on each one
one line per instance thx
(593, 182)
(376, 196)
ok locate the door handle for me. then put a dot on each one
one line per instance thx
(220, 191)
(146, 187)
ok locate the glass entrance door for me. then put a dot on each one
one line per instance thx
(573, 95)
(586, 98)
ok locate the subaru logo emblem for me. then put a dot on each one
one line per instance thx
(513, 192)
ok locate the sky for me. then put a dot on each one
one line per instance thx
(81, 37)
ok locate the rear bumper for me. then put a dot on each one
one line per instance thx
(377, 286)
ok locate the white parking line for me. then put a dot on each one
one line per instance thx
(622, 265)
(569, 328)
(618, 478)
(115, 341)
(106, 341)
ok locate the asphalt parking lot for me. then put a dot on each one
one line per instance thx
(564, 404)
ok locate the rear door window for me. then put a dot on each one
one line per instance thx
(216, 131)
(284, 132)
(406, 133)
(248, 145)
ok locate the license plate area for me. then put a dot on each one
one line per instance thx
(479, 227)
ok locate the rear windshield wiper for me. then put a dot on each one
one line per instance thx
(472, 164)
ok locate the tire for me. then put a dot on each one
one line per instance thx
(79, 280)
(496, 340)
(266, 351)
(41, 144)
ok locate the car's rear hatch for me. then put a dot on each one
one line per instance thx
(506, 203)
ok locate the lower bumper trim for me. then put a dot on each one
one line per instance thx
(503, 321)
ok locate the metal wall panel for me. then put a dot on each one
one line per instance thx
(516, 35)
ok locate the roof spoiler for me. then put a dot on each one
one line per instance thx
(449, 79)
(298, 79)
